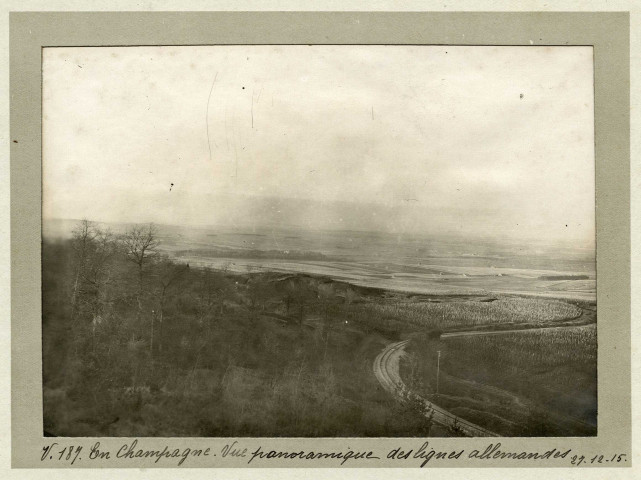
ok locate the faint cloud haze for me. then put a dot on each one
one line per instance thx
(477, 141)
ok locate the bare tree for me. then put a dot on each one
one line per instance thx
(141, 247)
(83, 237)
(94, 249)
(97, 277)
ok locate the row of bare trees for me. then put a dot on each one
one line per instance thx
(99, 274)
(130, 265)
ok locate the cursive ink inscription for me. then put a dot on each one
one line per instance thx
(420, 455)
(343, 456)
(233, 450)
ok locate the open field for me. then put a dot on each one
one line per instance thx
(428, 279)
(447, 313)
(534, 382)
(403, 263)
(400, 263)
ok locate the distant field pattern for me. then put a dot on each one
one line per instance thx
(444, 315)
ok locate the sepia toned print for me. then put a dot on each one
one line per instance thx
(319, 241)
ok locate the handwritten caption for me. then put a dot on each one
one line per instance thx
(421, 456)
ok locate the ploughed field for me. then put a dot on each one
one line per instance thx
(532, 382)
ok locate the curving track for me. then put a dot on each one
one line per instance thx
(386, 369)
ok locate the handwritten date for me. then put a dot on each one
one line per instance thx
(581, 459)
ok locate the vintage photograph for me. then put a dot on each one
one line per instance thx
(318, 241)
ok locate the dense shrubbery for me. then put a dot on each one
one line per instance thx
(136, 345)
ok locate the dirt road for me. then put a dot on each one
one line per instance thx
(469, 333)
(386, 369)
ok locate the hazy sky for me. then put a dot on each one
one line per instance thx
(477, 140)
